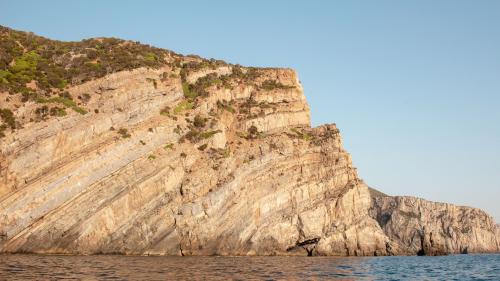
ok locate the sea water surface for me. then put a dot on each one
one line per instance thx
(455, 267)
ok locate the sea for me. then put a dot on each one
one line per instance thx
(103, 267)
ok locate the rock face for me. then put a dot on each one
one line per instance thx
(149, 169)
(417, 226)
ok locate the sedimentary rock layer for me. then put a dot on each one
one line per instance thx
(150, 169)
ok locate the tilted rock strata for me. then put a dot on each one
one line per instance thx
(251, 178)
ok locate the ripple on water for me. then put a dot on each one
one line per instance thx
(459, 267)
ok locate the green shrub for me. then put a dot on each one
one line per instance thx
(165, 111)
(225, 152)
(183, 105)
(192, 135)
(194, 66)
(188, 92)
(42, 112)
(84, 97)
(124, 133)
(150, 57)
(57, 111)
(225, 106)
(4, 77)
(79, 110)
(169, 146)
(246, 107)
(8, 118)
(199, 121)
(209, 134)
(195, 135)
(62, 100)
(62, 84)
(253, 130)
(67, 102)
(26, 63)
(220, 153)
(155, 84)
(269, 85)
(252, 133)
(247, 76)
(303, 135)
(3, 127)
(206, 81)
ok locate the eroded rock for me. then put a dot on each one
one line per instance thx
(138, 175)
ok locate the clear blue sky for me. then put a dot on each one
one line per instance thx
(414, 86)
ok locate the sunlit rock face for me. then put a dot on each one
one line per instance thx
(212, 159)
(418, 226)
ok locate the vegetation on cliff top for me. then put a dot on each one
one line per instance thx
(41, 70)
(52, 64)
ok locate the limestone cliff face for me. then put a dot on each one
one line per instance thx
(417, 226)
(150, 169)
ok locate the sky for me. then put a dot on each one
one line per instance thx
(413, 86)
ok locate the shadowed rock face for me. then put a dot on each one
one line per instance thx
(417, 226)
(235, 171)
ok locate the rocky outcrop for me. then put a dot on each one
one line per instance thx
(261, 181)
(417, 226)
(154, 168)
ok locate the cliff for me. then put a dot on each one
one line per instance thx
(179, 155)
(415, 225)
